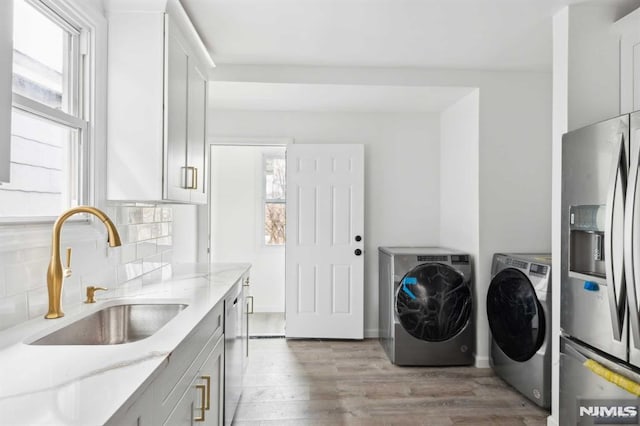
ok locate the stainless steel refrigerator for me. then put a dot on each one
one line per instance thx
(600, 266)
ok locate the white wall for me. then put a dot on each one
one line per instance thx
(401, 173)
(459, 175)
(237, 218)
(515, 179)
(460, 184)
(514, 159)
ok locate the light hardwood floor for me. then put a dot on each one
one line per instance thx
(326, 382)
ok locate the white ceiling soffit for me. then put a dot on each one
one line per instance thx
(332, 98)
(476, 34)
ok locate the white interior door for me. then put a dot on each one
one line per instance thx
(324, 245)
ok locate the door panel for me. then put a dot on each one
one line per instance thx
(632, 246)
(196, 134)
(578, 383)
(324, 262)
(176, 116)
(588, 285)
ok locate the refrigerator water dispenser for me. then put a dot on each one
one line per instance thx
(586, 242)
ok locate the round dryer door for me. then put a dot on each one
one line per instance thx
(433, 302)
(515, 315)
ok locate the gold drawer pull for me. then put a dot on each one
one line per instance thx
(203, 392)
(208, 400)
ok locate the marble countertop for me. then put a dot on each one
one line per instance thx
(86, 385)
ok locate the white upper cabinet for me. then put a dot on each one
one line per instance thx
(6, 63)
(629, 30)
(157, 106)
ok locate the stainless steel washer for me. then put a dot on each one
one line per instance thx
(426, 306)
(519, 313)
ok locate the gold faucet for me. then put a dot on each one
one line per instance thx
(55, 270)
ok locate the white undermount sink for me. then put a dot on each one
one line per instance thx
(114, 325)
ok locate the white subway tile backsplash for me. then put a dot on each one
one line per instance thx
(148, 214)
(129, 271)
(164, 243)
(127, 253)
(3, 287)
(151, 263)
(167, 257)
(129, 287)
(71, 291)
(156, 230)
(153, 276)
(145, 231)
(25, 276)
(167, 271)
(13, 310)
(146, 249)
(38, 302)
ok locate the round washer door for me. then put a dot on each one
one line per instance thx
(515, 315)
(433, 302)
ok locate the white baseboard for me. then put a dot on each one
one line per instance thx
(551, 421)
(268, 309)
(481, 361)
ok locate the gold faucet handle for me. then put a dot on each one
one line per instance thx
(91, 293)
(67, 268)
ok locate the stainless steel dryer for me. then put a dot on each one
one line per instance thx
(426, 303)
(519, 313)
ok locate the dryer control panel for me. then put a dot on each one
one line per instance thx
(459, 259)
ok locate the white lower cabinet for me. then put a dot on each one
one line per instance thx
(189, 391)
(137, 413)
(203, 401)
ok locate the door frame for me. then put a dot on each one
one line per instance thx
(204, 215)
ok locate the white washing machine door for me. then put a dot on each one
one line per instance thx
(433, 302)
(516, 317)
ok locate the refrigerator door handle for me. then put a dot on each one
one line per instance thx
(630, 255)
(616, 308)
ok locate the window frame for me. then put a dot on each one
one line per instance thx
(78, 86)
(265, 200)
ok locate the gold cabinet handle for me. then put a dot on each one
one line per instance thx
(203, 391)
(194, 178)
(207, 379)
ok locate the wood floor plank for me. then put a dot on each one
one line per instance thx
(326, 382)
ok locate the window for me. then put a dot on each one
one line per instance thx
(49, 133)
(274, 200)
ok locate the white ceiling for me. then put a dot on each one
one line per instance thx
(469, 34)
(455, 34)
(331, 97)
